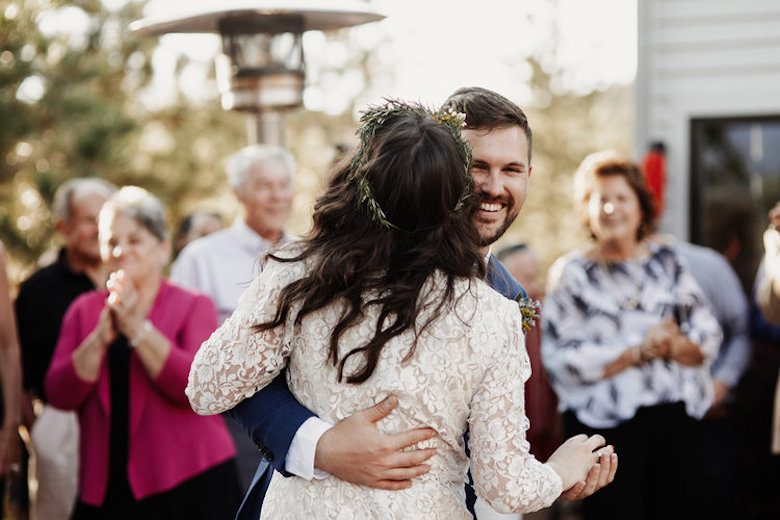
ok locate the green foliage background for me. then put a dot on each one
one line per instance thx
(90, 121)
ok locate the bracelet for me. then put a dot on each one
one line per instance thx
(145, 329)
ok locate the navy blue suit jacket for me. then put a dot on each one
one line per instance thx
(500, 279)
(273, 415)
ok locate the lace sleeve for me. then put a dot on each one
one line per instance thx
(236, 361)
(505, 473)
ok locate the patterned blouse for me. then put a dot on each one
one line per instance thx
(594, 311)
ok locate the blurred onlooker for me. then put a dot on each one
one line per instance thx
(768, 299)
(196, 225)
(10, 387)
(627, 343)
(223, 264)
(122, 362)
(761, 385)
(40, 307)
(523, 264)
(768, 294)
(729, 305)
(718, 469)
(541, 403)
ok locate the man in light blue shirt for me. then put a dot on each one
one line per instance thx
(730, 307)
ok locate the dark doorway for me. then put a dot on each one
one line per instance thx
(735, 180)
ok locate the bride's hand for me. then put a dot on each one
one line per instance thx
(574, 458)
(599, 476)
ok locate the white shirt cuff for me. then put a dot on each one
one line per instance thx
(300, 456)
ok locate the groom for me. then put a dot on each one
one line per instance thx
(292, 439)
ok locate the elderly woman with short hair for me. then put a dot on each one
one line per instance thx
(122, 362)
(627, 343)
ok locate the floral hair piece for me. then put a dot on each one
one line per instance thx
(372, 119)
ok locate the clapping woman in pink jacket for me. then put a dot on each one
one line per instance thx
(122, 362)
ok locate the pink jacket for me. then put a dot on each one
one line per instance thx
(169, 443)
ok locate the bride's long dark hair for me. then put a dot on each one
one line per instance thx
(417, 175)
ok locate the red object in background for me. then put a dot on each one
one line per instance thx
(654, 169)
(541, 404)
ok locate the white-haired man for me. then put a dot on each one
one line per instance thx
(223, 264)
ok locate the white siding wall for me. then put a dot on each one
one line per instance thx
(701, 58)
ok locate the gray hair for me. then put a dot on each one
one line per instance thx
(138, 204)
(243, 161)
(69, 191)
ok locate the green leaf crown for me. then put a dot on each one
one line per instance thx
(372, 119)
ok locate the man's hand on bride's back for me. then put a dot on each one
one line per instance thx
(584, 464)
(356, 451)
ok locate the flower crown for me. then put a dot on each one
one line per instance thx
(372, 119)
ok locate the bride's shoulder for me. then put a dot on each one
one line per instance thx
(491, 322)
(487, 302)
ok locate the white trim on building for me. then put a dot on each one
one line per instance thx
(701, 59)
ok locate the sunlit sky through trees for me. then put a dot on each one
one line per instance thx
(426, 49)
(569, 63)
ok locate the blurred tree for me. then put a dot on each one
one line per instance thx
(567, 126)
(62, 91)
(73, 82)
(71, 76)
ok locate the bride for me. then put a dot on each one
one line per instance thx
(385, 296)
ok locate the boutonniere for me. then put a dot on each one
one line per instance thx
(530, 311)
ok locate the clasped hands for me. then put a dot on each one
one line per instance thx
(666, 341)
(123, 313)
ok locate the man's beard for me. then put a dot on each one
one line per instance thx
(488, 240)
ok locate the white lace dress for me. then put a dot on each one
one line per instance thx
(468, 370)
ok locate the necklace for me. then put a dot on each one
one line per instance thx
(633, 269)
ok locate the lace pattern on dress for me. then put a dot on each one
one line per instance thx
(469, 368)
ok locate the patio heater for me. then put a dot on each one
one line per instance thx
(261, 70)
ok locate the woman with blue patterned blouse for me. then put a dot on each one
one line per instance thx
(628, 340)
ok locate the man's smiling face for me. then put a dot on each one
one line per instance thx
(501, 171)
